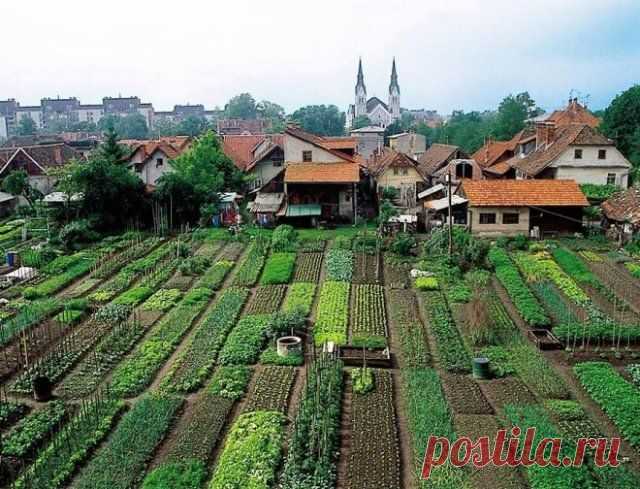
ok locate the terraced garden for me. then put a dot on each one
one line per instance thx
(162, 358)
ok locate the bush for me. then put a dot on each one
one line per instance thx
(402, 244)
(284, 238)
(77, 233)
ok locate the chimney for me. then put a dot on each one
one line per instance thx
(545, 134)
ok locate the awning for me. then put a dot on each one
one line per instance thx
(303, 210)
(441, 204)
(430, 191)
(266, 202)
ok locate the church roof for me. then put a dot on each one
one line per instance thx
(373, 102)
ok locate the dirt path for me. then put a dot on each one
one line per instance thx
(345, 434)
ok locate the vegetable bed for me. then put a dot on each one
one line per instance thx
(369, 317)
(333, 313)
(271, 389)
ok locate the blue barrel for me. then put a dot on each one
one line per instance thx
(12, 258)
(215, 221)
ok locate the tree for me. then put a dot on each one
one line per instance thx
(323, 120)
(131, 126)
(17, 183)
(512, 114)
(192, 126)
(466, 130)
(241, 106)
(110, 150)
(274, 113)
(27, 127)
(164, 127)
(621, 122)
(199, 175)
(361, 121)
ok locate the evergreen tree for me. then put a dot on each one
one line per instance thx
(110, 150)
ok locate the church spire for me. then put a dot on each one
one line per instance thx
(394, 78)
(360, 82)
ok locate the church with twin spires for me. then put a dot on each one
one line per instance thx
(379, 113)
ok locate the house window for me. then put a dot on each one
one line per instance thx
(159, 162)
(405, 171)
(487, 218)
(395, 170)
(611, 178)
(464, 170)
(602, 154)
(577, 154)
(510, 218)
(306, 156)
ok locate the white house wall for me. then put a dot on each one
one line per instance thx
(293, 148)
(590, 169)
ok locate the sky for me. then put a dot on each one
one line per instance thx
(451, 54)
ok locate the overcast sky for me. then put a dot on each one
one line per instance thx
(451, 54)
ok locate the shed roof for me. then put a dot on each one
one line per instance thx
(322, 173)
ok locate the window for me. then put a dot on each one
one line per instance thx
(577, 154)
(395, 170)
(306, 156)
(602, 154)
(611, 178)
(405, 171)
(487, 218)
(159, 162)
(277, 162)
(464, 170)
(510, 218)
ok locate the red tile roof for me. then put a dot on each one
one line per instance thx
(240, 148)
(322, 173)
(623, 206)
(436, 157)
(523, 193)
(565, 136)
(574, 114)
(389, 158)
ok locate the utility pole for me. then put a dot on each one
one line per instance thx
(450, 217)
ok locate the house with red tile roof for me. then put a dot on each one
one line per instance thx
(393, 169)
(38, 161)
(512, 207)
(149, 159)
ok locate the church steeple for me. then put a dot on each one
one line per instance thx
(361, 93)
(394, 93)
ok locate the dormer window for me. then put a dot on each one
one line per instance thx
(577, 154)
(602, 154)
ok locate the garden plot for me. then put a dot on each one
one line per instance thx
(620, 281)
(232, 251)
(510, 390)
(300, 297)
(332, 316)
(266, 299)
(396, 274)
(368, 317)
(308, 267)
(493, 477)
(278, 268)
(464, 395)
(374, 456)
(403, 313)
(271, 388)
(366, 269)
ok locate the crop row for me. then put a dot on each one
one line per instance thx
(600, 331)
(333, 313)
(553, 303)
(300, 298)
(136, 250)
(271, 389)
(251, 266)
(339, 265)
(313, 446)
(28, 315)
(374, 458)
(369, 317)
(196, 361)
(245, 341)
(31, 431)
(619, 399)
(132, 376)
(131, 272)
(403, 312)
(214, 276)
(266, 299)
(144, 288)
(120, 462)
(251, 453)
(72, 445)
(523, 299)
(308, 267)
(451, 349)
